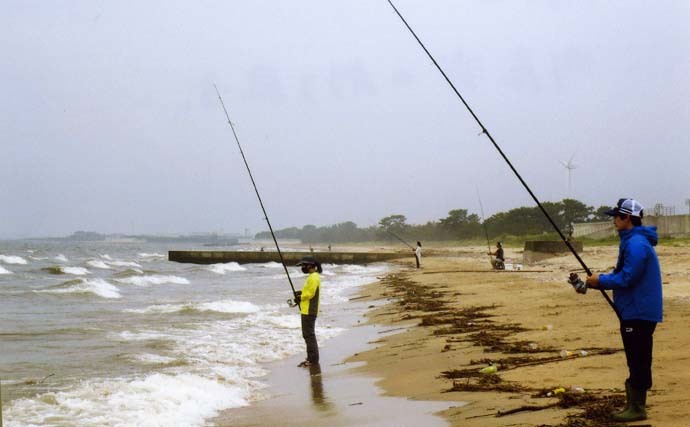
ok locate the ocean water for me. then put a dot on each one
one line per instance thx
(113, 334)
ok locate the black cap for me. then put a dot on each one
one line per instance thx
(308, 260)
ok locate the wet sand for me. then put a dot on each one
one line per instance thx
(455, 316)
(332, 394)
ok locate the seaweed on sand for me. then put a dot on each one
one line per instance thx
(486, 382)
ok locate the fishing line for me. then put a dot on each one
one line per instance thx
(256, 190)
(486, 231)
(399, 238)
(485, 131)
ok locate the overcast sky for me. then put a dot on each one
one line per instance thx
(109, 120)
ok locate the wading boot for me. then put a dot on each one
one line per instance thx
(636, 407)
(627, 400)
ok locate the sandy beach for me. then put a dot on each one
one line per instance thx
(455, 316)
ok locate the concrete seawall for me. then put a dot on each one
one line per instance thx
(538, 250)
(291, 258)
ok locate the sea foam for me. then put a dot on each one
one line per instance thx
(125, 264)
(153, 280)
(77, 271)
(97, 263)
(155, 400)
(12, 259)
(224, 268)
(150, 255)
(4, 270)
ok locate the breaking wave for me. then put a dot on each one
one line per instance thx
(224, 268)
(224, 306)
(84, 286)
(12, 259)
(153, 280)
(77, 271)
(125, 264)
(97, 263)
(154, 400)
(150, 255)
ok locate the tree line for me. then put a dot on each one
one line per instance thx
(458, 225)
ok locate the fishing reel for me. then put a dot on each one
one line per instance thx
(577, 283)
(294, 302)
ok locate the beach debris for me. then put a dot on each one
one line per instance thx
(567, 353)
(491, 369)
(547, 328)
(556, 391)
(486, 383)
(596, 410)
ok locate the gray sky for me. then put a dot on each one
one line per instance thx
(109, 120)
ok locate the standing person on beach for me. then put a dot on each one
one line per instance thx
(499, 262)
(308, 300)
(636, 285)
(418, 254)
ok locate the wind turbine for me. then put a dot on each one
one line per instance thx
(570, 166)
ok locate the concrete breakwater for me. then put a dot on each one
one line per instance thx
(290, 258)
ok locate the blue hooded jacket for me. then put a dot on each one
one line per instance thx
(636, 280)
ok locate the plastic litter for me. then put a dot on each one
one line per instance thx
(491, 369)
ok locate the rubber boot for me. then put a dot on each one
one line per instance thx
(627, 400)
(636, 409)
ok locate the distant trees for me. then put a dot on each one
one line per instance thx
(600, 214)
(458, 225)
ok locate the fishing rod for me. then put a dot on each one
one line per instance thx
(577, 283)
(256, 190)
(486, 231)
(399, 238)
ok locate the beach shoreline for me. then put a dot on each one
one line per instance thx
(455, 316)
(334, 394)
(468, 317)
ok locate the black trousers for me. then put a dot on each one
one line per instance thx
(638, 342)
(308, 325)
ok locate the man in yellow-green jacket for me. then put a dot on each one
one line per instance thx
(308, 300)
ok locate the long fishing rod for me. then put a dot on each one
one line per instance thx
(485, 131)
(399, 238)
(486, 231)
(256, 190)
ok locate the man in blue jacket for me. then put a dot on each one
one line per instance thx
(636, 285)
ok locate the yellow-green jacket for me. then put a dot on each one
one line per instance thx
(309, 303)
